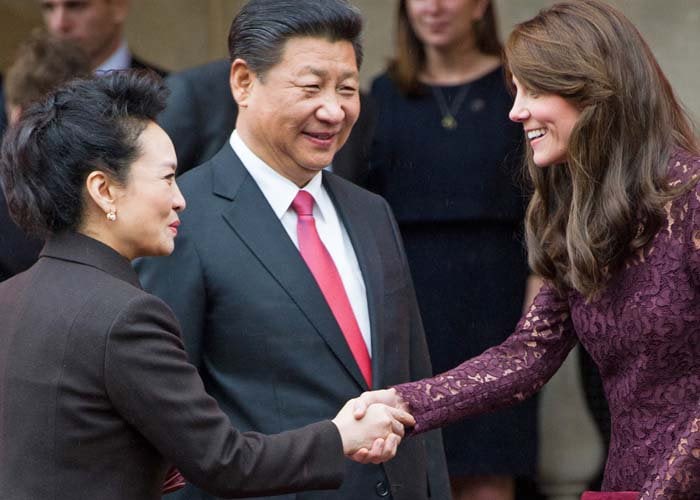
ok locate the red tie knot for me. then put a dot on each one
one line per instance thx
(303, 203)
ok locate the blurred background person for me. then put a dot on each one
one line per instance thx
(97, 395)
(42, 63)
(3, 116)
(97, 27)
(445, 157)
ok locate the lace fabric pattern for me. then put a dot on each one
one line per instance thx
(643, 332)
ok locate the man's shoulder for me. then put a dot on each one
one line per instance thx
(212, 71)
(197, 181)
(138, 63)
(345, 189)
(216, 178)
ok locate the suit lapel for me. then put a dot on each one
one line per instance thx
(355, 218)
(254, 222)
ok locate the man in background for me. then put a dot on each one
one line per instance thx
(97, 27)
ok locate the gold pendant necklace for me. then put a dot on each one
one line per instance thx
(448, 121)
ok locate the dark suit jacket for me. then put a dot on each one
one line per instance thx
(201, 114)
(258, 328)
(96, 394)
(17, 250)
(138, 63)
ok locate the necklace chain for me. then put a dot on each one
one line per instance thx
(449, 113)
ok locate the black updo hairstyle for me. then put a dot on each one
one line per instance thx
(88, 124)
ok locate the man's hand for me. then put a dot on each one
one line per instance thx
(379, 450)
(374, 437)
(387, 397)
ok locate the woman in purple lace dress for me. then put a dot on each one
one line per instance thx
(613, 227)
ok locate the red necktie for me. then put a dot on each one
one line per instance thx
(321, 264)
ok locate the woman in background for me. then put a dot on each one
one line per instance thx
(445, 157)
(613, 228)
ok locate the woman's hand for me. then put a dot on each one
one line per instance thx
(387, 397)
(376, 435)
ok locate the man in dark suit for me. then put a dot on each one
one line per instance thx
(278, 341)
(97, 26)
(200, 115)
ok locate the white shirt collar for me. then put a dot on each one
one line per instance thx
(120, 59)
(278, 190)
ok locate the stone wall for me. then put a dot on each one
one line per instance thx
(181, 33)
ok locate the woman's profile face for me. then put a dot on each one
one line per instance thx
(548, 120)
(444, 23)
(147, 205)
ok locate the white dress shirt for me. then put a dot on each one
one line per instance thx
(120, 59)
(279, 193)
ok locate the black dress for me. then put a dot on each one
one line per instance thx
(456, 196)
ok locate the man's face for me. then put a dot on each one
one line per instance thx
(300, 113)
(95, 25)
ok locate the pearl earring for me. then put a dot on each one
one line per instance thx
(112, 215)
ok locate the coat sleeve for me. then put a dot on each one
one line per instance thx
(501, 376)
(151, 384)
(420, 367)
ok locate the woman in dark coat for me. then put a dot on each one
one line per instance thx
(96, 395)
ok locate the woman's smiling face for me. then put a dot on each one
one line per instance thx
(548, 120)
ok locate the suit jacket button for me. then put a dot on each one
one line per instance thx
(382, 489)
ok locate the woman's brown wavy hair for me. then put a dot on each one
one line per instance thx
(409, 61)
(587, 216)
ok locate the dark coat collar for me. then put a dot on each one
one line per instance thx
(228, 173)
(76, 247)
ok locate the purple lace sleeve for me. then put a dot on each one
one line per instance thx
(502, 375)
(678, 476)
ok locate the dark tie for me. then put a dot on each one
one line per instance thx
(321, 264)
